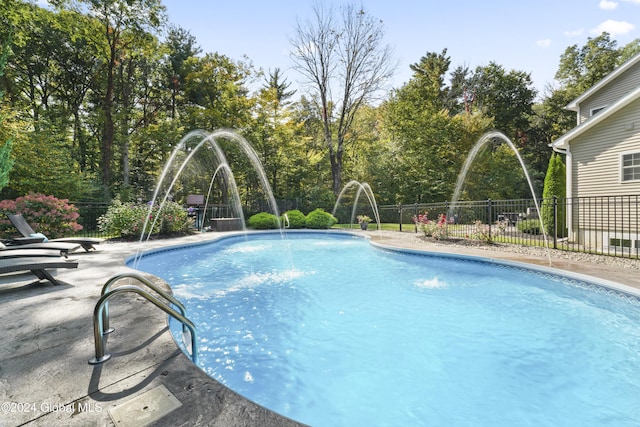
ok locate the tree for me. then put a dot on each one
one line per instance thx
(310, 177)
(344, 63)
(429, 75)
(272, 130)
(181, 45)
(44, 162)
(77, 57)
(6, 162)
(30, 80)
(122, 23)
(581, 68)
(506, 96)
(280, 87)
(629, 50)
(216, 92)
(427, 145)
(49, 74)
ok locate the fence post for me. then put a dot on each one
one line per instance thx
(415, 214)
(555, 222)
(489, 216)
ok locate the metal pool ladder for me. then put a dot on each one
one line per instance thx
(101, 314)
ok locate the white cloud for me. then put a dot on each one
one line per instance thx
(614, 28)
(574, 33)
(543, 43)
(608, 5)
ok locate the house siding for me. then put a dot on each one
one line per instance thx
(604, 210)
(622, 85)
(596, 155)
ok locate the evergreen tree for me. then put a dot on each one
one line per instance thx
(554, 185)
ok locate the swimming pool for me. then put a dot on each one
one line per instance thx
(329, 330)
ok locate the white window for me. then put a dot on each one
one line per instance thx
(630, 167)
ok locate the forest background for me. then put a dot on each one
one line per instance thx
(95, 94)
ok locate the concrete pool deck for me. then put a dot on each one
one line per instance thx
(47, 340)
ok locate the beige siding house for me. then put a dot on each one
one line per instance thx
(603, 162)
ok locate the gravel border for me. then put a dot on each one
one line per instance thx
(626, 263)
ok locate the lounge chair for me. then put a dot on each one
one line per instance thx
(25, 229)
(36, 265)
(53, 248)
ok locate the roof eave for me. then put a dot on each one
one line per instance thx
(573, 105)
(563, 141)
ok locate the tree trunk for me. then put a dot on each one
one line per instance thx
(79, 140)
(108, 128)
(336, 171)
(107, 138)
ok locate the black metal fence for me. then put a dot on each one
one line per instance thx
(607, 225)
(91, 212)
(88, 219)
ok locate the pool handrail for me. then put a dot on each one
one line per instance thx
(109, 284)
(99, 313)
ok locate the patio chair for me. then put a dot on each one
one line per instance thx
(10, 250)
(39, 266)
(23, 227)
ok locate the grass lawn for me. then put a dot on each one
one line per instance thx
(383, 226)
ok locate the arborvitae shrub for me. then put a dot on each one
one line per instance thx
(554, 185)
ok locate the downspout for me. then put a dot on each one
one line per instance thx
(569, 184)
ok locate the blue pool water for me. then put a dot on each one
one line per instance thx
(332, 331)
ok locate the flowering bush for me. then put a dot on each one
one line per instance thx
(128, 220)
(48, 215)
(481, 231)
(439, 230)
(123, 220)
(363, 219)
(173, 219)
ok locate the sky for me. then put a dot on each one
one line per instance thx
(522, 35)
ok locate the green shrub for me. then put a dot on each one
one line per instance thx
(123, 220)
(530, 226)
(319, 219)
(294, 219)
(127, 220)
(263, 221)
(48, 215)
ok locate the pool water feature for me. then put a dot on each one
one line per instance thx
(330, 330)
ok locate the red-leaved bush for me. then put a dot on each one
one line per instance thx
(48, 215)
